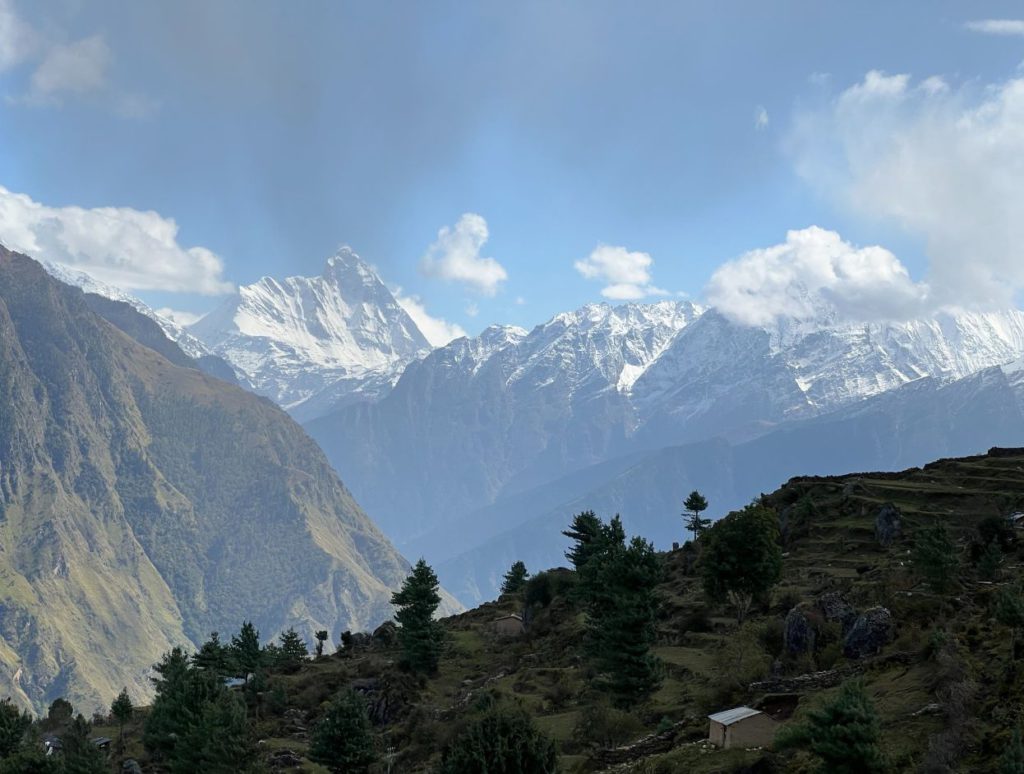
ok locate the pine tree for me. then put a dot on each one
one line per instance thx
(515, 579)
(179, 697)
(79, 754)
(1012, 761)
(214, 656)
(420, 636)
(503, 741)
(844, 734)
(621, 617)
(121, 709)
(696, 504)
(321, 638)
(218, 740)
(587, 532)
(343, 739)
(13, 725)
(246, 654)
(742, 557)
(292, 651)
(935, 557)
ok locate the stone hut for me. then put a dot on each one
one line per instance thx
(509, 626)
(741, 727)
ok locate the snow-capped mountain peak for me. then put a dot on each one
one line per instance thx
(310, 343)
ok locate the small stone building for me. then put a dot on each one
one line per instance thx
(741, 727)
(509, 626)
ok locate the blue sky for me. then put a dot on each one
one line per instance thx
(684, 134)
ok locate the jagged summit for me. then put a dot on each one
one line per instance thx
(312, 342)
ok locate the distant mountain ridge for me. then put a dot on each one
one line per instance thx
(482, 419)
(145, 504)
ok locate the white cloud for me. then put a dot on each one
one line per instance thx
(179, 317)
(942, 163)
(472, 309)
(77, 69)
(627, 273)
(127, 248)
(997, 26)
(437, 331)
(17, 39)
(761, 117)
(812, 272)
(455, 256)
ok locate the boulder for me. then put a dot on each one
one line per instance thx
(888, 524)
(835, 609)
(385, 635)
(873, 630)
(798, 633)
(131, 766)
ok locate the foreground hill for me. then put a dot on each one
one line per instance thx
(144, 503)
(940, 670)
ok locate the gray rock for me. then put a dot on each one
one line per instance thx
(131, 766)
(385, 635)
(873, 630)
(835, 608)
(888, 524)
(799, 634)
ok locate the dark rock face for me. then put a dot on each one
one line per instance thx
(872, 630)
(888, 524)
(385, 635)
(834, 608)
(799, 634)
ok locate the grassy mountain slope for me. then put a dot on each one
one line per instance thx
(144, 503)
(947, 687)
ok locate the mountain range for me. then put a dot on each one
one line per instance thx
(452, 450)
(145, 503)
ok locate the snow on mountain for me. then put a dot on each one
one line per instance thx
(310, 343)
(506, 409)
(482, 419)
(189, 344)
(726, 379)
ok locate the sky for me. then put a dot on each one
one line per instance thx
(502, 162)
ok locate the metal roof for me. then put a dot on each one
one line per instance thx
(728, 717)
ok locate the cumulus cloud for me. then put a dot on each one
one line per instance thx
(761, 117)
(76, 69)
(455, 256)
(997, 26)
(127, 248)
(437, 331)
(942, 163)
(814, 272)
(627, 273)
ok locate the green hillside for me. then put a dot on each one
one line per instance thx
(144, 504)
(945, 683)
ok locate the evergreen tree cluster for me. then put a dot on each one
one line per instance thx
(741, 557)
(616, 590)
(21, 742)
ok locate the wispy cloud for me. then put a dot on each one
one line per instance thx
(124, 247)
(74, 69)
(62, 70)
(761, 118)
(455, 256)
(627, 273)
(1013, 27)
